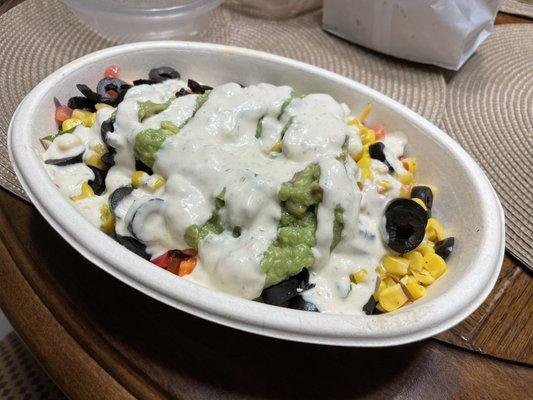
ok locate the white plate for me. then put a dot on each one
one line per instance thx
(466, 203)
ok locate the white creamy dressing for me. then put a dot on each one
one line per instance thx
(69, 178)
(217, 149)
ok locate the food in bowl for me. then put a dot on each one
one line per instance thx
(254, 190)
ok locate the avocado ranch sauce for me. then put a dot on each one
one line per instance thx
(225, 159)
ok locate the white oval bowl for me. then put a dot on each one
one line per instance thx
(466, 202)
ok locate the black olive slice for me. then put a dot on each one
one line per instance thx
(107, 84)
(405, 224)
(60, 162)
(138, 82)
(143, 213)
(182, 92)
(87, 92)
(370, 307)
(106, 127)
(236, 232)
(117, 196)
(286, 290)
(133, 245)
(109, 159)
(81, 103)
(161, 74)
(207, 87)
(98, 183)
(140, 166)
(444, 247)
(423, 193)
(195, 87)
(375, 150)
(298, 303)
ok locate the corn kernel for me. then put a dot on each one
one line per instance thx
(405, 178)
(395, 265)
(378, 306)
(277, 147)
(357, 156)
(107, 220)
(381, 287)
(86, 191)
(405, 191)
(392, 298)
(70, 123)
(359, 276)
(368, 136)
(389, 281)
(364, 162)
(91, 120)
(137, 178)
(366, 174)
(86, 117)
(95, 160)
(423, 277)
(155, 182)
(99, 106)
(99, 148)
(353, 122)
(416, 261)
(435, 264)
(366, 111)
(384, 186)
(421, 203)
(425, 248)
(382, 272)
(434, 230)
(409, 164)
(415, 289)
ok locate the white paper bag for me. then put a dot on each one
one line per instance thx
(439, 32)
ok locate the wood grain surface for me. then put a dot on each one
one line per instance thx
(103, 339)
(100, 339)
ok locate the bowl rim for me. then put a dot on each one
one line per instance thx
(403, 326)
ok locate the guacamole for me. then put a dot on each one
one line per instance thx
(291, 251)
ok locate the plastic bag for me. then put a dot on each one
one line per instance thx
(440, 32)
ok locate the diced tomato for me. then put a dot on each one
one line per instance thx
(187, 266)
(174, 265)
(176, 262)
(379, 130)
(162, 261)
(63, 113)
(112, 93)
(112, 71)
(405, 165)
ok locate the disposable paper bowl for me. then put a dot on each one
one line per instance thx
(466, 203)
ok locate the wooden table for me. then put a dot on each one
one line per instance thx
(98, 338)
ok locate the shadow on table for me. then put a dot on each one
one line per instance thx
(190, 357)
